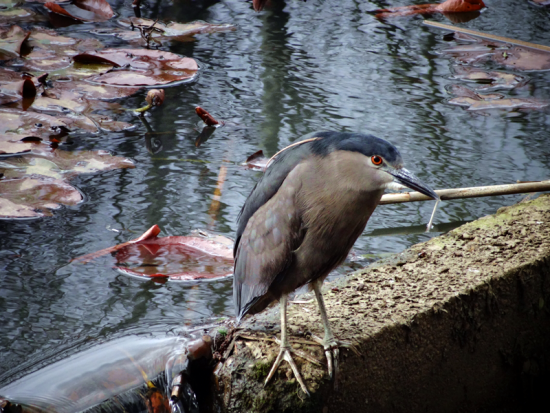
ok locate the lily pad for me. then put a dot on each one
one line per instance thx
(159, 31)
(14, 87)
(523, 58)
(513, 57)
(474, 102)
(95, 123)
(198, 256)
(95, 92)
(489, 80)
(16, 127)
(11, 41)
(82, 10)
(141, 67)
(60, 164)
(33, 198)
(180, 258)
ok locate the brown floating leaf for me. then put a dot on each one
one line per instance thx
(61, 164)
(16, 125)
(94, 92)
(165, 31)
(473, 101)
(458, 6)
(522, 58)
(31, 197)
(514, 57)
(99, 7)
(259, 5)
(449, 6)
(14, 86)
(142, 67)
(488, 79)
(206, 117)
(83, 10)
(11, 41)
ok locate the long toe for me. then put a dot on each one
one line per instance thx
(284, 353)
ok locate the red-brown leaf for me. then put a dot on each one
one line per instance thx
(456, 6)
(206, 117)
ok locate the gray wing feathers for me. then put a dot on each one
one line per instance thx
(266, 245)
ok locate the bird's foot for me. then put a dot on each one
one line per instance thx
(332, 353)
(284, 353)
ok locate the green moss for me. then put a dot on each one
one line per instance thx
(222, 331)
(260, 370)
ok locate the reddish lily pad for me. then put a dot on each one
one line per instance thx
(141, 67)
(449, 6)
(198, 256)
(83, 10)
(33, 198)
(11, 42)
(177, 258)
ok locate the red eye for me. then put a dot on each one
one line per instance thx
(376, 160)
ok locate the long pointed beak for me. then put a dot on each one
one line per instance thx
(405, 177)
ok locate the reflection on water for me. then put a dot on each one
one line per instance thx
(296, 68)
(91, 377)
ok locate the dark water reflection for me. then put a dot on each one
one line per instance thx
(288, 71)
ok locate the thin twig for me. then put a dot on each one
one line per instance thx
(474, 192)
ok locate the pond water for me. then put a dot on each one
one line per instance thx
(294, 68)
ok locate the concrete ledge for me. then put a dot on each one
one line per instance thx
(458, 323)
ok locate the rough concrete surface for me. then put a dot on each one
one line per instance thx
(458, 323)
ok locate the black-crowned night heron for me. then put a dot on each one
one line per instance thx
(302, 218)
